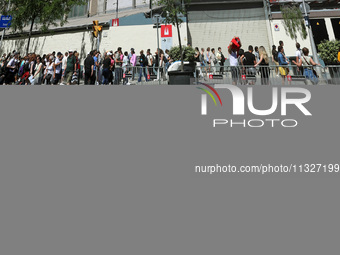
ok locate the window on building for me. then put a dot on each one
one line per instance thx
(336, 28)
(319, 30)
(78, 11)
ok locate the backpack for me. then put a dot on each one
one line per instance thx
(165, 60)
(222, 58)
(145, 63)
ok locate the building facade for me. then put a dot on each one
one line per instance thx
(208, 23)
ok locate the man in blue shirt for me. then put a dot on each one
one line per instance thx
(95, 68)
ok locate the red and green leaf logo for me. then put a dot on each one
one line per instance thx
(210, 94)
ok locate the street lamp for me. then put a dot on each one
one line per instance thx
(116, 4)
(117, 10)
(157, 16)
(305, 8)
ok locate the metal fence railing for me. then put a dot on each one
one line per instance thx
(236, 75)
(241, 75)
(133, 76)
(269, 75)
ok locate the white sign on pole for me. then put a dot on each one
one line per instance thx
(166, 43)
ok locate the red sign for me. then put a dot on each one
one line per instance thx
(289, 78)
(115, 23)
(166, 31)
(244, 77)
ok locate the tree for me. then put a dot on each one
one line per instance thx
(293, 22)
(329, 51)
(41, 13)
(172, 8)
(188, 53)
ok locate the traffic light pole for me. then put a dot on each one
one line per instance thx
(98, 41)
(98, 46)
(310, 34)
(158, 51)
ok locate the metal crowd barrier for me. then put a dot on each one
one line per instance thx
(245, 75)
(240, 75)
(267, 75)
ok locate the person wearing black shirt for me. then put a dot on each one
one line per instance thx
(249, 61)
(88, 66)
(106, 68)
(143, 64)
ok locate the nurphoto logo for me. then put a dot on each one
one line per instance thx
(295, 96)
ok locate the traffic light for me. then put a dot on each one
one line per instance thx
(96, 28)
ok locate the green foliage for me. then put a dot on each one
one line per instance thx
(188, 55)
(27, 13)
(293, 22)
(172, 8)
(328, 51)
(42, 12)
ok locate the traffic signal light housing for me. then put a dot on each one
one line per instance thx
(96, 28)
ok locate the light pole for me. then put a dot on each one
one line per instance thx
(310, 33)
(117, 10)
(157, 16)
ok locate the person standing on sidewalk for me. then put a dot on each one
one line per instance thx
(213, 61)
(150, 61)
(257, 54)
(207, 59)
(143, 65)
(89, 69)
(125, 66)
(63, 68)
(57, 66)
(298, 58)
(284, 71)
(133, 62)
(71, 67)
(249, 62)
(12, 67)
(275, 59)
(118, 66)
(221, 59)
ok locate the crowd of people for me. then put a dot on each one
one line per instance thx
(65, 69)
(247, 63)
(116, 67)
(34, 69)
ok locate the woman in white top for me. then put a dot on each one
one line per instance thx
(125, 61)
(307, 63)
(49, 71)
(161, 65)
(38, 72)
(207, 58)
(233, 58)
(213, 60)
(125, 66)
